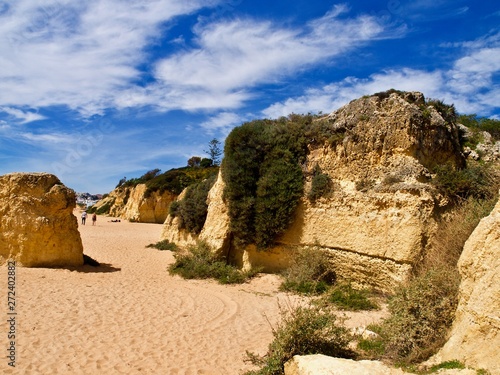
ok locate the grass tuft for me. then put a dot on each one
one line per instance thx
(199, 262)
(163, 245)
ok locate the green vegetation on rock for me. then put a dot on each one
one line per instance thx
(192, 209)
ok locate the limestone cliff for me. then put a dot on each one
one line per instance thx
(475, 335)
(37, 225)
(136, 204)
(379, 212)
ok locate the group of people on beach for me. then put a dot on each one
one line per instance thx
(84, 218)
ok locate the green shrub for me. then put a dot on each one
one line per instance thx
(174, 180)
(192, 209)
(172, 209)
(455, 364)
(447, 111)
(478, 124)
(421, 314)
(473, 181)
(263, 177)
(199, 262)
(279, 190)
(345, 297)
(163, 245)
(309, 273)
(303, 330)
(320, 185)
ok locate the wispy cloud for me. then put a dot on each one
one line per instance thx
(468, 84)
(20, 116)
(232, 57)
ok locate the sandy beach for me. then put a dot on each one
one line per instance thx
(129, 316)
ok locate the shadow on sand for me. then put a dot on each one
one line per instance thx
(101, 268)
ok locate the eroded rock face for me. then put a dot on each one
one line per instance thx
(136, 204)
(475, 334)
(37, 225)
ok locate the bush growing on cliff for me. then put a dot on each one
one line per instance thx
(303, 330)
(320, 185)
(474, 181)
(477, 124)
(263, 179)
(192, 209)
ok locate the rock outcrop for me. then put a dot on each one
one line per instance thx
(137, 204)
(37, 225)
(318, 364)
(475, 334)
(377, 217)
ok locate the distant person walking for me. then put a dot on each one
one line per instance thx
(84, 217)
(94, 218)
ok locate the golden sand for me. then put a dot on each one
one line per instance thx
(129, 316)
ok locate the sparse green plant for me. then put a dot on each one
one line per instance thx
(163, 245)
(303, 330)
(200, 262)
(309, 273)
(454, 364)
(364, 184)
(345, 297)
(475, 180)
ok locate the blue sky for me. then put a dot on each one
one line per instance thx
(97, 90)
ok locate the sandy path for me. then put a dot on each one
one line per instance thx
(130, 316)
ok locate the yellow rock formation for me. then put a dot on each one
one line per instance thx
(37, 225)
(475, 335)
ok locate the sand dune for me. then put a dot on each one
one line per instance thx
(129, 316)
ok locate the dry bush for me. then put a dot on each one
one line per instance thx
(309, 273)
(303, 330)
(421, 314)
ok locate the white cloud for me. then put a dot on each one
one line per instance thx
(223, 122)
(234, 56)
(22, 116)
(469, 84)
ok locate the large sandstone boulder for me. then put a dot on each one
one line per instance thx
(475, 334)
(37, 225)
